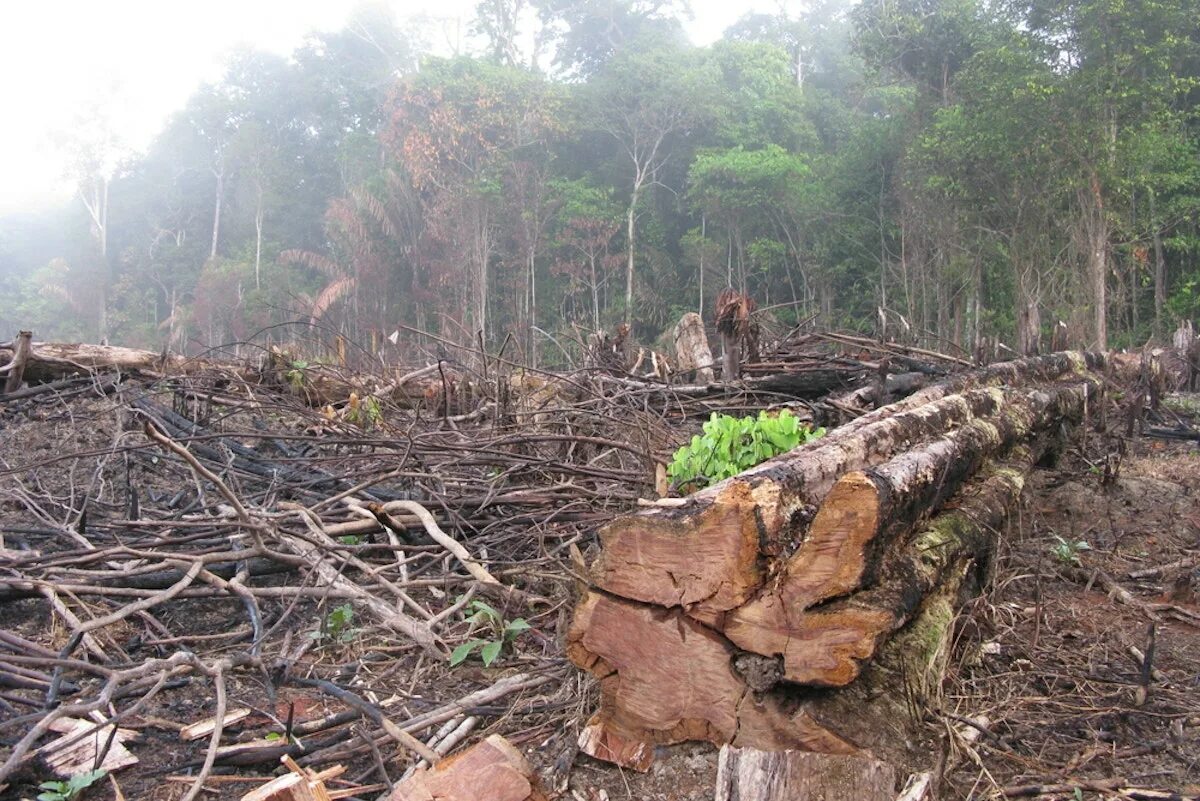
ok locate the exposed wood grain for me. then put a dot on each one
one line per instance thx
(493, 770)
(747, 774)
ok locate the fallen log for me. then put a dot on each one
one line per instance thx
(710, 555)
(704, 621)
(868, 397)
(829, 646)
(666, 678)
(866, 511)
(443, 390)
(48, 361)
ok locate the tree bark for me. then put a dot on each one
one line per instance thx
(258, 237)
(1096, 230)
(1160, 271)
(830, 645)
(219, 172)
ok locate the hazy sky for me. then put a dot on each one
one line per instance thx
(138, 60)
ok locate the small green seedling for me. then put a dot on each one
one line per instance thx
(71, 788)
(275, 736)
(503, 633)
(336, 625)
(1067, 551)
(350, 539)
(295, 375)
(730, 445)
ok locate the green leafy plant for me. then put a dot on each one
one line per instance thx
(71, 788)
(295, 373)
(336, 626)
(503, 633)
(730, 445)
(1067, 551)
(350, 539)
(278, 736)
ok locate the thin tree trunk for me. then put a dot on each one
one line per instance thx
(595, 294)
(216, 230)
(703, 247)
(1160, 273)
(633, 199)
(97, 208)
(104, 227)
(1096, 229)
(258, 234)
(533, 357)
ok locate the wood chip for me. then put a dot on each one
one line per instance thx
(204, 728)
(82, 756)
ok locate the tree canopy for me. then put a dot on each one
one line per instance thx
(977, 169)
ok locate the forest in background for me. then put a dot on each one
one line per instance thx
(962, 168)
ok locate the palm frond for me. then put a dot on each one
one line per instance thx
(330, 295)
(322, 264)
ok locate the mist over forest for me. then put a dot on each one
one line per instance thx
(961, 169)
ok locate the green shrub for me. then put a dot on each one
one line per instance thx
(730, 445)
(503, 633)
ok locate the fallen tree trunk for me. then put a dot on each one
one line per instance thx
(704, 620)
(829, 646)
(867, 511)
(710, 553)
(442, 390)
(47, 361)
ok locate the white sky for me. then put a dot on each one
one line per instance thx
(139, 60)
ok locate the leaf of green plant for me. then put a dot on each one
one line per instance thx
(487, 609)
(490, 651)
(459, 654)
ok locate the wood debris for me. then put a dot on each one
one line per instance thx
(492, 770)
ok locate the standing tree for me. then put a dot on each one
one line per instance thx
(648, 98)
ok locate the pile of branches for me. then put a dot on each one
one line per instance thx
(173, 529)
(180, 528)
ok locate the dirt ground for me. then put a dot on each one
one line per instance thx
(1043, 674)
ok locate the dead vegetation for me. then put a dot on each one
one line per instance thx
(285, 568)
